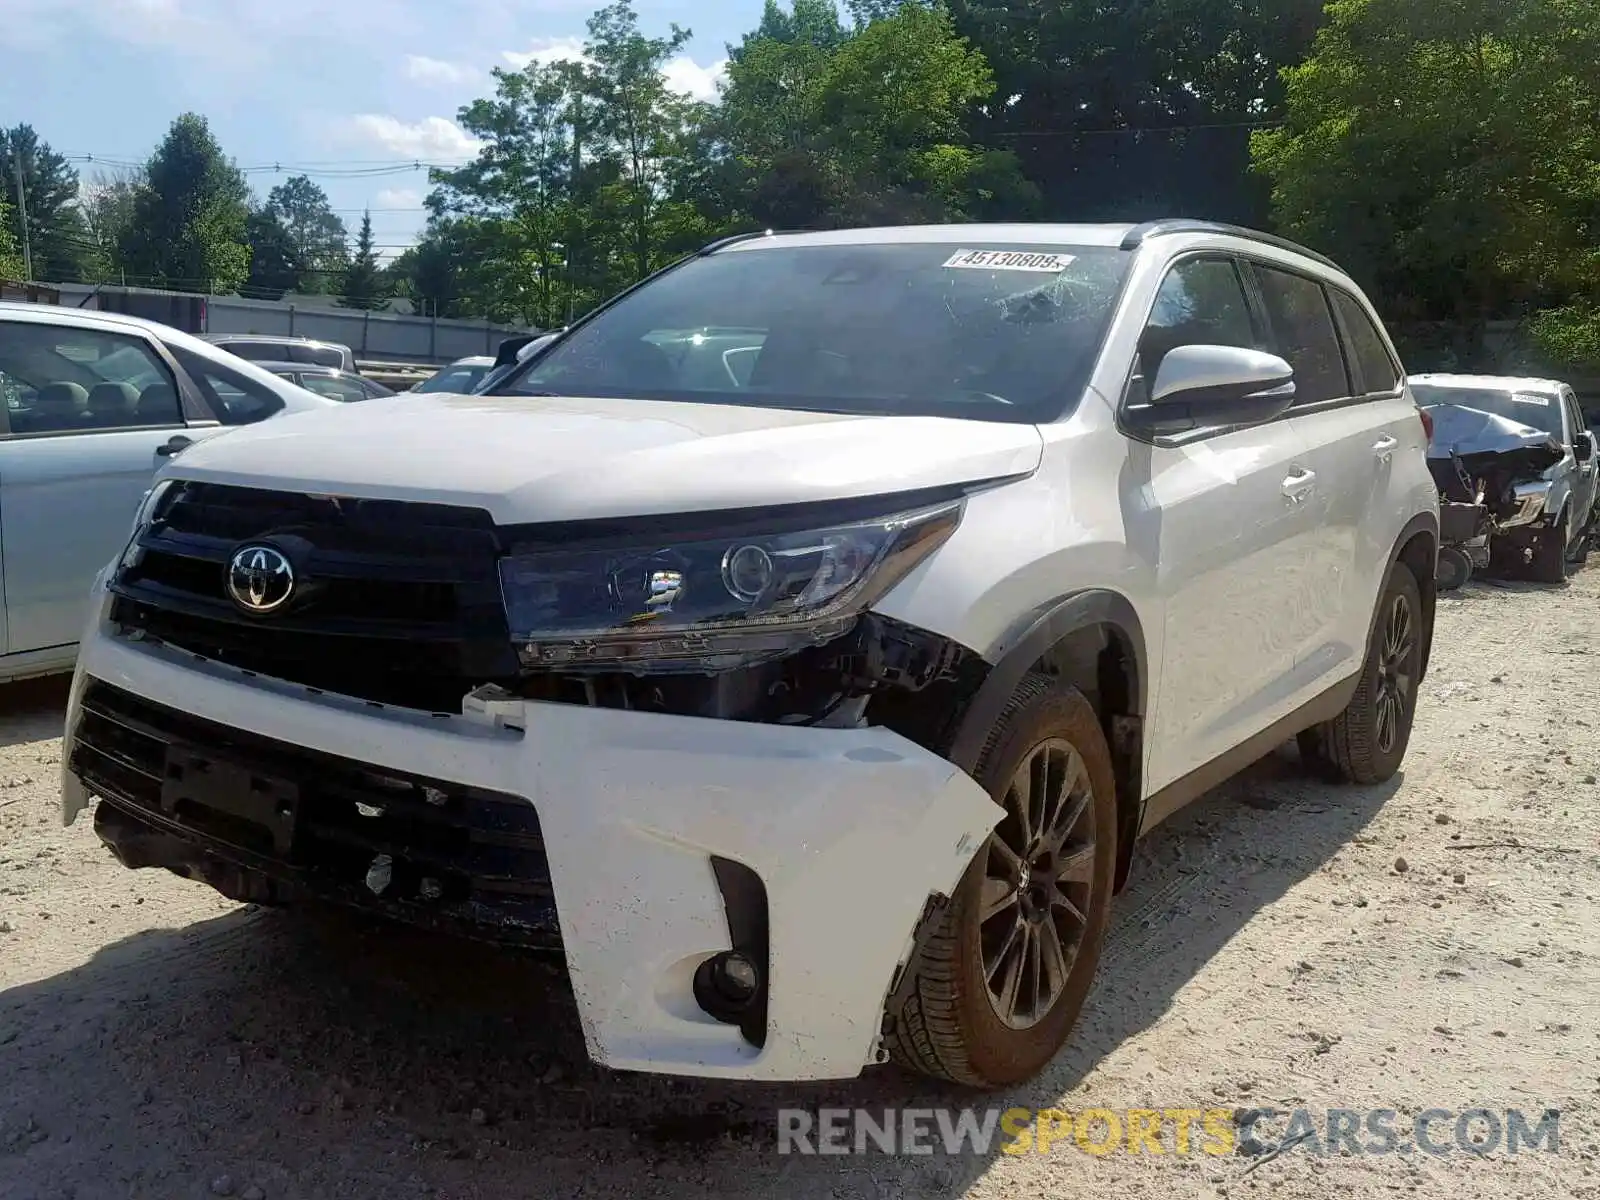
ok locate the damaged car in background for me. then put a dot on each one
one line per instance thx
(796, 646)
(1515, 464)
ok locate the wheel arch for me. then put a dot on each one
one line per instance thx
(1095, 641)
(1418, 548)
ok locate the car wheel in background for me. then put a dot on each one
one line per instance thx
(1549, 563)
(1455, 568)
(1366, 743)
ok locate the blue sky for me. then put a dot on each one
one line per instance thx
(323, 85)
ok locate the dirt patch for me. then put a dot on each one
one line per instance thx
(1284, 944)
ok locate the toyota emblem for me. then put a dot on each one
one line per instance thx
(260, 579)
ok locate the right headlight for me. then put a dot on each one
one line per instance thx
(711, 602)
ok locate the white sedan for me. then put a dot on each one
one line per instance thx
(95, 404)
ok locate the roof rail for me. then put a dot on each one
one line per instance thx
(1136, 236)
(736, 238)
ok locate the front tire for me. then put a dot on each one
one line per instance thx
(1366, 743)
(1549, 563)
(1005, 966)
(1455, 568)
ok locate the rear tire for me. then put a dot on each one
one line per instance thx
(1366, 743)
(1005, 966)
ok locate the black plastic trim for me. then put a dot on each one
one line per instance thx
(1181, 792)
(735, 239)
(486, 847)
(1019, 651)
(744, 900)
(1137, 236)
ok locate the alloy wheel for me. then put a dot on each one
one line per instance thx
(1037, 886)
(1395, 673)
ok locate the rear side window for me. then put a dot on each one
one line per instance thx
(1372, 360)
(347, 390)
(1574, 413)
(319, 356)
(234, 399)
(67, 379)
(1303, 330)
(254, 351)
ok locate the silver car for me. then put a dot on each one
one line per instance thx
(95, 404)
(463, 375)
(1559, 538)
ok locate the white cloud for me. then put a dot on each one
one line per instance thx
(398, 198)
(436, 139)
(689, 78)
(545, 51)
(683, 74)
(422, 69)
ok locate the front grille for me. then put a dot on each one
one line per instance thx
(396, 602)
(460, 855)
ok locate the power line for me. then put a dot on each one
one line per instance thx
(348, 169)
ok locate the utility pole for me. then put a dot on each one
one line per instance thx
(22, 218)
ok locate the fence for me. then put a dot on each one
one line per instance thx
(392, 337)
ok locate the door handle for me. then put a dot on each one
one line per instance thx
(1384, 448)
(174, 445)
(1297, 486)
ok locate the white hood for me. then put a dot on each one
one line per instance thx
(536, 459)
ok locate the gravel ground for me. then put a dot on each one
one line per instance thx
(1433, 943)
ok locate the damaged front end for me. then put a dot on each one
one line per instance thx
(430, 609)
(1492, 475)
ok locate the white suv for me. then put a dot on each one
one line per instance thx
(799, 643)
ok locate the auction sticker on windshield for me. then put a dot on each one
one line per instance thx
(1530, 398)
(1008, 260)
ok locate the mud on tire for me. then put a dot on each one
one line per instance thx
(976, 1008)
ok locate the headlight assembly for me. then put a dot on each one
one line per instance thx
(713, 602)
(149, 509)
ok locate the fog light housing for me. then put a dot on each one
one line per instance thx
(726, 984)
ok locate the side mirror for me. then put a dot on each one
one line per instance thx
(1583, 446)
(1199, 386)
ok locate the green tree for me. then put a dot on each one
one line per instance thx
(317, 236)
(56, 236)
(592, 174)
(10, 256)
(276, 266)
(107, 204)
(430, 274)
(516, 198)
(190, 215)
(1448, 152)
(1132, 111)
(642, 126)
(839, 125)
(363, 285)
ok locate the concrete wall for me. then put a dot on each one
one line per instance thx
(383, 336)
